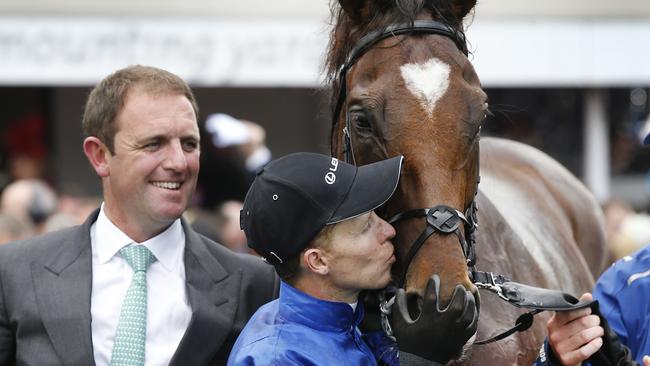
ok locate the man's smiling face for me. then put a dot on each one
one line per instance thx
(153, 172)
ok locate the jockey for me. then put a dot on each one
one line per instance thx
(615, 331)
(311, 216)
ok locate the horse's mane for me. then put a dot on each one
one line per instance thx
(378, 15)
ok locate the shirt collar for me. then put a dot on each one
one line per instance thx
(167, 247)
(300, 307)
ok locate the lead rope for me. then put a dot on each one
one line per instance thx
(523, 322)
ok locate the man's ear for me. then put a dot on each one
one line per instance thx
(316, 261)
(98, 155)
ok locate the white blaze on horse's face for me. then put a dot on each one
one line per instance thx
(427, 81)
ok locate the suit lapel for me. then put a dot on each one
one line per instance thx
(212, 293)
(63, 286)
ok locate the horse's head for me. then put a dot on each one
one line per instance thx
(415, 93)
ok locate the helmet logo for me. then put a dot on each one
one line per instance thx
(330, 177)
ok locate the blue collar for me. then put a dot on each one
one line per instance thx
(297, 306)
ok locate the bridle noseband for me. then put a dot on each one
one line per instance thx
(442, 219)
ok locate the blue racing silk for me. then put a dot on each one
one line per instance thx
(298, 329)
(623, 294)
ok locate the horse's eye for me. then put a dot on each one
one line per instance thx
(360, 119)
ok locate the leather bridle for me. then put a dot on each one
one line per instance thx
(441, 219)
(444, 219)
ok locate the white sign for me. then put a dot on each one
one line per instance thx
(213, 52)
(81, 51)
(551, 53)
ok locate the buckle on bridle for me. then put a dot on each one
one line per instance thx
(385, 309)
(444, 219)
(491, 285)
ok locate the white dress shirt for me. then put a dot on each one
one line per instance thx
(168, 310)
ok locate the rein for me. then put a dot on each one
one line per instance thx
(444, 219)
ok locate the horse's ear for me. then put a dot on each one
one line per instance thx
(353, 8)
(462, 7)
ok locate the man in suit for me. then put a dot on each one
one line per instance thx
(133, 285)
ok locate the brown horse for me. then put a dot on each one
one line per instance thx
(415, 93)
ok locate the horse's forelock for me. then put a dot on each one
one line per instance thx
(380, 14)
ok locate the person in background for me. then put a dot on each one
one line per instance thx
(24, 141)
(616, 330)
(312, 217)
(14, 228)
(627, 230)
(248, 137)
(29, 199)
(202, 221)
(134, 284)
(235, 150)
(58, 221)
(227, 223)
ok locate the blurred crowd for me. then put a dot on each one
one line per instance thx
(31, 207)
(627, 230)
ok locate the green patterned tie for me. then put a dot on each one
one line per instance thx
(128, 347)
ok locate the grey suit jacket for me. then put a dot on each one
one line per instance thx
(46, 282)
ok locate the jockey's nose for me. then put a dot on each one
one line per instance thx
(388, 229)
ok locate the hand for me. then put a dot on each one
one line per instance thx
(436, 334)
(613, 352)
(646, 360)
(575, 335)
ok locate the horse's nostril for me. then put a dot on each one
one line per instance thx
(414, 305)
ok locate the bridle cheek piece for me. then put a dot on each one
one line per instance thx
(444, 220)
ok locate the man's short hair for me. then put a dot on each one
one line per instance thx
(289, 270)
(107, 99)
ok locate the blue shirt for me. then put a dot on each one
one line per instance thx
(298, 329)
(623, 294)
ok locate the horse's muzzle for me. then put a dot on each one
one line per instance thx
(457, 319)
